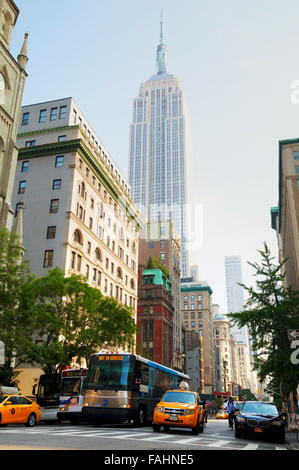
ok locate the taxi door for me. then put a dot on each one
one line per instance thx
(11, 412)
(25, 409)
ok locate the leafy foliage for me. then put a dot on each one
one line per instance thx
(271, 309)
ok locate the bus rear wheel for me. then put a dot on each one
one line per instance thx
(140, 419)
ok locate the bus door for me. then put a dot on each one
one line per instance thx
(152, 389)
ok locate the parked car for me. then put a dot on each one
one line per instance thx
(180, 408)
(221, 414)
(18, 409)
(260, 419)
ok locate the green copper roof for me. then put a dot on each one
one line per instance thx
(196, 288)
(156, 277)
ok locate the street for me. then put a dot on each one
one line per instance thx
(123, 437)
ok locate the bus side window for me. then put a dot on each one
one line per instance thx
(144, 374)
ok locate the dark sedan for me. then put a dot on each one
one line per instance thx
(260, 419)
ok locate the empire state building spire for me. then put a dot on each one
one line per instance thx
(161, 64)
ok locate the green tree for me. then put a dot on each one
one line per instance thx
(16, 323)
(73, 320)
(271, 309)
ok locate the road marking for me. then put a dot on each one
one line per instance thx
(189, 440)
(217, 444)
(251, 446)
(157, 438)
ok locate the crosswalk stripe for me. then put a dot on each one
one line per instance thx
(189, 440)
(217, 444)
(251, 447)
(157, 438)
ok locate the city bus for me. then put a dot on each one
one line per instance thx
(125, 387)
(71, 398)
(47, 395)
(49, 392)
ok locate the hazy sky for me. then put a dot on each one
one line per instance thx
(236, 61)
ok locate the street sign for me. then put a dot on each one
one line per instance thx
(293, 334)
(2, 353)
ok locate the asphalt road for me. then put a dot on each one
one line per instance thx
(123, 437)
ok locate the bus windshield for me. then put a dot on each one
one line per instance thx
(106, 374)
(71, 386)
(48, 389)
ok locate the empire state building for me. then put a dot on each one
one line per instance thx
(158, 150)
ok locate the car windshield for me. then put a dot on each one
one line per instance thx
(2, 399)
(179, 397)
(263, 409)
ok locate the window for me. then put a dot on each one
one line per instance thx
(62, 112)
(192, 306)
(90, 223)
(48, 259)
(54, 206)
(296, 155)
(22, 187)
(56, 184)
(25, 166)
(162, 257)
(42, 115)
(25, 119)
(30, 143)
(59, 161)
(78, 237)
(186, 298)
(186, 307)
(73, 260)
(193, 324)
(51, 232)
(199, 298)
(297, 170)
(53, 114)
(192, 298)
(298, 184)
(199, 306)
(61, 138)
(88, 247)
(200, 324)
(79, 261)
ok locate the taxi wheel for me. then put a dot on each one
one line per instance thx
(31, 420)
(196, 430)
(2, 425)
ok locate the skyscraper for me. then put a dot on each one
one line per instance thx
(235, 297)
(158, 149)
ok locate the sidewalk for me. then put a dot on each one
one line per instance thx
(291, 441)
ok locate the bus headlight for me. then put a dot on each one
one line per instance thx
(126, 406)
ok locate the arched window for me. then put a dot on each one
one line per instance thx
(132, 284)
(78, 237)
(98, 254)
(119, 273)
(82, 189)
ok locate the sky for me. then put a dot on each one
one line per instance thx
(236, 62)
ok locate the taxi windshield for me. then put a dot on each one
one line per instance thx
(179, 397)
(2, 398)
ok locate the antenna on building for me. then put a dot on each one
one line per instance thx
(161, 30)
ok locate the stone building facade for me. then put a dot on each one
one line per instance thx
(12, 81)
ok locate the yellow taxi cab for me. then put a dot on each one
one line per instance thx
(16, 409)
(222, 414)
(180, 408)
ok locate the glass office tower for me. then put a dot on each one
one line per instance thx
(158, 150)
